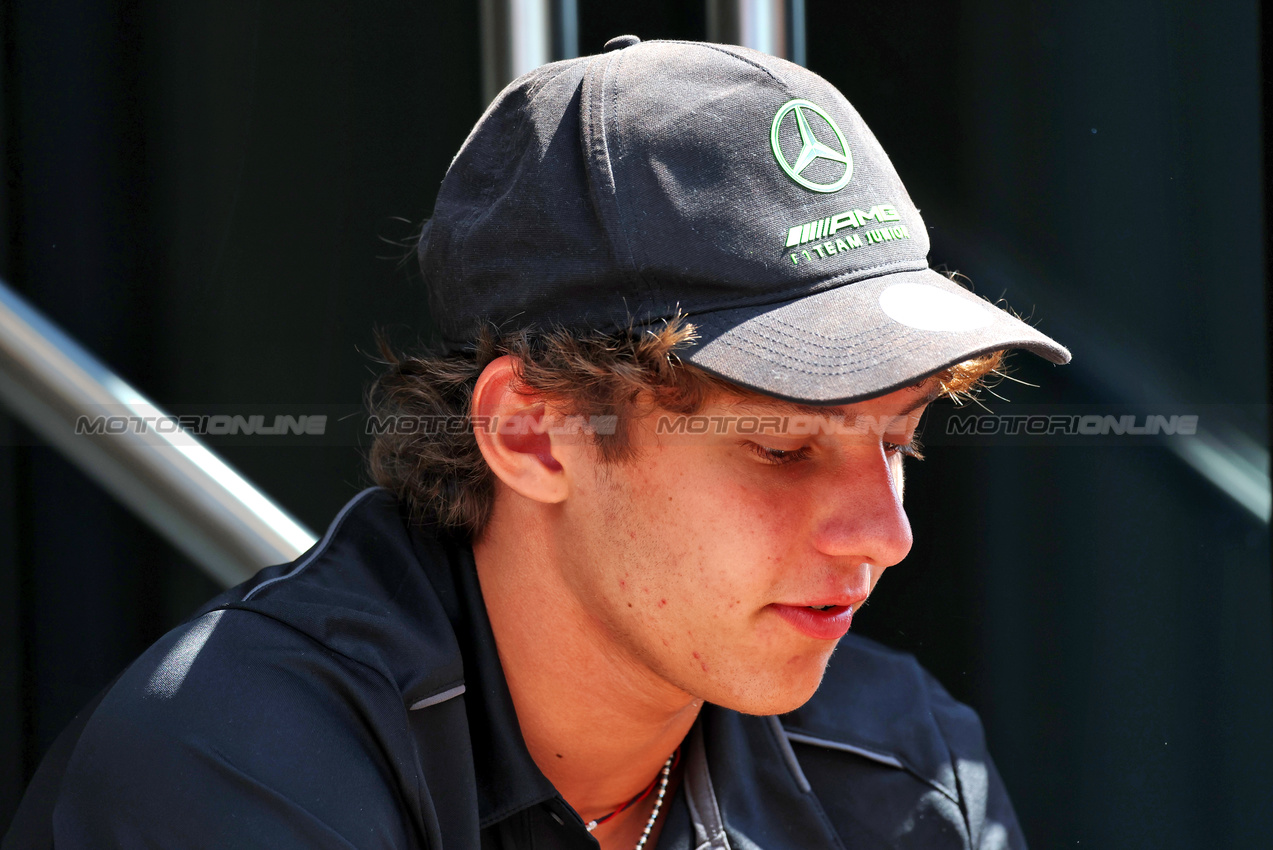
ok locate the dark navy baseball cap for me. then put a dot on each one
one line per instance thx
(661, 178)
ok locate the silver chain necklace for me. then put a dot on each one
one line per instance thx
(664, 775)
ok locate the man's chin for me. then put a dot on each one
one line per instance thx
(772, 697)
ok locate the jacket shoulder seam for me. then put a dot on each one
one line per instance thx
(317, 550)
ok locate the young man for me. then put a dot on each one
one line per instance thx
(626, 515)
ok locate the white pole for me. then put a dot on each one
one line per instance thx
(162, 473)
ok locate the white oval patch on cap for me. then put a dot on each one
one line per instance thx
(928, 308)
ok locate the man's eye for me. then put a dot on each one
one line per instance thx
(778, 457)
(911, 449)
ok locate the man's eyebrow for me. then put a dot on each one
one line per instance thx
(927, 398)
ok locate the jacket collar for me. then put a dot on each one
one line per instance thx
(405, 602)
(879, 704)
(508, 780)
(763, 800)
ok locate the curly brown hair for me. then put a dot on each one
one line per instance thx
(439, 473)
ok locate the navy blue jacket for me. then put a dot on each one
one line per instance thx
(354, 699)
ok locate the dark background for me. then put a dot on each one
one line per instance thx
(212, 196)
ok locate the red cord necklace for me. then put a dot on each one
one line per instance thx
(660, 778)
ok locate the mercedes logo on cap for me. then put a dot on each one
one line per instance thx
(812, 148)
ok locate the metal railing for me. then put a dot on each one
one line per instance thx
(775, 27)
(520, 35)
(182, 489)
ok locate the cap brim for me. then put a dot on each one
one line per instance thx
(859, 340)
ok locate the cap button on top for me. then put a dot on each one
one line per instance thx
(621, 41)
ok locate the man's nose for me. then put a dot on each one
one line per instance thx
(863, 518)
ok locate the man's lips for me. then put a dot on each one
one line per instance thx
(817, 622)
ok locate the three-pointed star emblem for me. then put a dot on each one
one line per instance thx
(811, 147)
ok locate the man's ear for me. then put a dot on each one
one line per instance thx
(509, 426)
